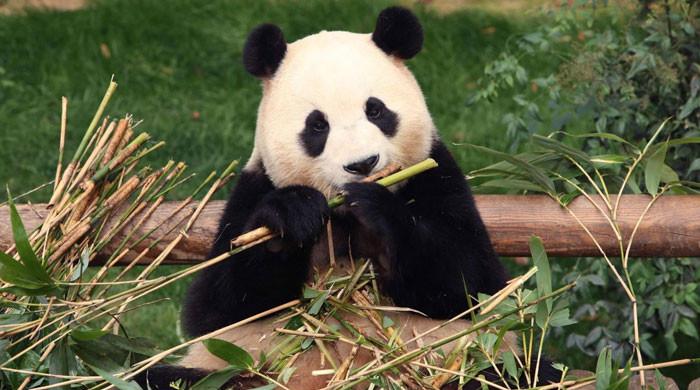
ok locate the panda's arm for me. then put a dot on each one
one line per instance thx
(263, 276)
(435, 241)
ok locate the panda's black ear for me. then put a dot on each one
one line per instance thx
(264, 50)
(398, 32)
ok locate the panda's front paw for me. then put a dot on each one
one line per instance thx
(297, 213)
(374, 207)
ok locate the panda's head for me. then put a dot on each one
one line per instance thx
(338, 106)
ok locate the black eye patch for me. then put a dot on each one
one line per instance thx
(377, 113)
(313, 137)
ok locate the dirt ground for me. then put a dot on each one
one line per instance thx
(442, 6)
(12, 6)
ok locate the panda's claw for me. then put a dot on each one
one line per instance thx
(374, 207)
(297, 213)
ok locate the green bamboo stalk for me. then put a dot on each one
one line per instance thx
(95, 120)
(392, 179)
(262, 233)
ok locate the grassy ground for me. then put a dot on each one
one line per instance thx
(179, 69)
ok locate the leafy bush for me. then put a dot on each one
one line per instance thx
(620, 74)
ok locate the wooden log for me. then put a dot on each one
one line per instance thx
(671, 227)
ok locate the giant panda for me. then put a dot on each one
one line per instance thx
(336, 107)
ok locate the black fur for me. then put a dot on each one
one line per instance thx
(434, 239)
(436, 248)
(264, 50)
(377, 112)
(398, 32)
(263, 276)
(313, 137)
(160, 377)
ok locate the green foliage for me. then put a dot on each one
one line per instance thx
(607, 373)
(665, 290)
(668, 307)
(621, 74)
(230, 353)
(27, 275)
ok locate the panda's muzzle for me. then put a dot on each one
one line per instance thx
(363, 167)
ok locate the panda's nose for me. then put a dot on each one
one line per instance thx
(363, 167)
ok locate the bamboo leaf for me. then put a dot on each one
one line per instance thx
(119, 383)
(624, 379)
(668, 175)
(634, 186)
(652, 172)
(513, 184)
(684, 141)
(234, 355)
(270, 386)
(561, 318)
(609, 159)
(286, 374)
(608, 136)
(14, 272)
(24, 248)
(560, 148)
(505, 167)
(535, 173)
(509, 363)
(603, 370)
(87, 334)
(216, 380)
(543, 276)
(565, 199)
(660, 380)
(80, 269)
(98, 354)
(318, 303)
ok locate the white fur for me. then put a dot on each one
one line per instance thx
(336, 72)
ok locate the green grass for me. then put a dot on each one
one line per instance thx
(184, 57)
(174, 58)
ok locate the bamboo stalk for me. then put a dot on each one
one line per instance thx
(95, 119)
(394, 178)
(61, 140)
(592, 378)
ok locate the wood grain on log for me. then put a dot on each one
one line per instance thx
(671, 228)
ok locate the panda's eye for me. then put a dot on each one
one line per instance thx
(374, 112)
(316, 122)
(320, 126)
(374, 108)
